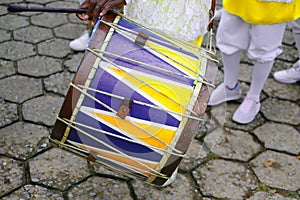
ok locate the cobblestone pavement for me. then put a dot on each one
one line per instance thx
(226, 160)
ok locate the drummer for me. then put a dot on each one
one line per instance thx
(258, 27)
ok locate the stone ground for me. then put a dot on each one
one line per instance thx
(226, 160)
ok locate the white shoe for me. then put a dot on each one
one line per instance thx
(81, 43)
(222, 93)
(291, 75)
(247, 111)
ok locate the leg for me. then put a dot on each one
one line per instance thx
(232, 37)
(263, 48)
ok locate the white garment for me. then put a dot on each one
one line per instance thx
(181, 19)
(262, 42)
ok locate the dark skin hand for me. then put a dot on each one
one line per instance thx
(98, 8)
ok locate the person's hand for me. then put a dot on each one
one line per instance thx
(98, 8)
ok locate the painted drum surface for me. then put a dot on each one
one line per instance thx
(136, 100)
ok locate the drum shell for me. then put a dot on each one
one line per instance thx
(187, 129)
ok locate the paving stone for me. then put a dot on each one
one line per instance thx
(57, 48)
(14, 22)
(5, 35)
(281, 111)
(245, 72)
(280, 65)
(74, 19)
(58, 169)
(11, 175)
(34, 192)
(49, 20)
(100, 188)
(224, 179)
(8, 113)
(266, 195)
(73, 62)
(181, 188)
(10, 1)
(63, 4)
(20, 88)
(194, 156)
(207, 125)
(59, 83)
(6, 68)
(290, 53)
(279, 137)
(288, 38)
(26, 138)
(282, 90)
(220, 76)
(42, 109)
(68, 31)
(237, 145)
(40, 1)
(15, 50)
(3, 10)
(32, 34)
(39, 66)
(105, 171)
(282, 172)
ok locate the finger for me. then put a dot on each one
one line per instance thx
(112, 4)
(91, 8)
(98, 9)
(82, 16)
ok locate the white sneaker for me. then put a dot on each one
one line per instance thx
(223, 93)
(81, 43)
(247, 111)
(291, 75)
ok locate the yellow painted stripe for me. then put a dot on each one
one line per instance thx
(136, 130)
(121, 159)
(179, 94)
(180, 58)
(163, 97)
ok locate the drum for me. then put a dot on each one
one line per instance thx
(136, 101)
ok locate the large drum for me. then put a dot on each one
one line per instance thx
(136, 100)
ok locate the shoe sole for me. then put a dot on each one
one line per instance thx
(286, 81)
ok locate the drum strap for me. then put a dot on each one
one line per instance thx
(211, 15)
(124, 108)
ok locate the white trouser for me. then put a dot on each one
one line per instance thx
(262, 42)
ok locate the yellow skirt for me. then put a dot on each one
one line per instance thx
(257, 12)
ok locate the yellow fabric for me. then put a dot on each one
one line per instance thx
(257, 12)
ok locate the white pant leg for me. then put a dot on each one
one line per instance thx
(232, 34)
(265, 42)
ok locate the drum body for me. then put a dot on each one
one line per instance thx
(135, 102)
